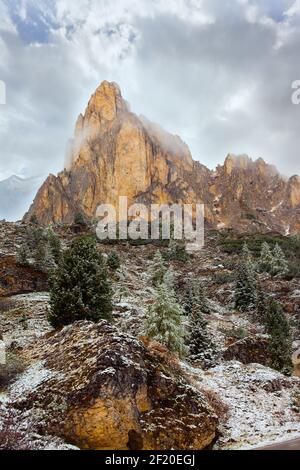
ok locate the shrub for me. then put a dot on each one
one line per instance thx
(223, 278)
(236, 333)
(113, 260)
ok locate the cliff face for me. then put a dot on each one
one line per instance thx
(115, 153)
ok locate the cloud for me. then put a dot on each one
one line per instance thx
(218, 74)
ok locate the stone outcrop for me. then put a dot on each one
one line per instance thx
(101, 389)
(116, 153)
(16, 279)
(249, 351)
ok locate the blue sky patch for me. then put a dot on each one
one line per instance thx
(37, 25)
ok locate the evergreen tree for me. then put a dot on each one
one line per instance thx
(121, 292)
(168, 279)
(246, 287)
(49, 261)
(164, 320)
(34, 236)
(158, 269)
(280, 265)
(40, 256)
(266, 258)
(43, 258)
(79, 287)
(54, 245)
(246, 252)
(79, 219)
(121, 274)
(202, 300)
(23, 255)
(113, 260)
(201, 346)
(177, 251)
(280, 338)
(195, 296)
(261, 306)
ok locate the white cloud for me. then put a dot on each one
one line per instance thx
(294, 9)
(216, 73)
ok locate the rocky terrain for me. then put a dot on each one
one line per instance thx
(116, 153)
(107, 385)
(114, 389)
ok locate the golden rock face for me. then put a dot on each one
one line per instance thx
(106, 390)
(116, 153)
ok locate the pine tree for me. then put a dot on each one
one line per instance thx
(79, 287)
(54, 245)
(121, 292)
(266, 258)
(23, 255)
(280, 265)
(177, 251)
(40, 256)
(49, 261)
(201, 346)
(79, 219)
(280, 342)
(246, 252)
(202, 299)
(121, 274)
(261, 306)
(164, 320)
(158, 269)
(113, 260)
(195, 296)
(34, 236)
(246, 287)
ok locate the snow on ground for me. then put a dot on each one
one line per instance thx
(260, 403)
(275, 208)
(30, 379)
(26, 320)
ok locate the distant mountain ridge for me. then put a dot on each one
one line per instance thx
(116, 153)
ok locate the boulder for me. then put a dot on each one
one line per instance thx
(101, 389)
(248, 351)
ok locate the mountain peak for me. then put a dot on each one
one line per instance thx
(116, 153)
(105, 103)
(236, 161)
(108, 87)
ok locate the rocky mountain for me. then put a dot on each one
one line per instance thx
(116, 153)
(15, 196)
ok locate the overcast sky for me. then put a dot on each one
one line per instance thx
(216, 72)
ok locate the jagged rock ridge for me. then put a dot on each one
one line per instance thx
(116, 153)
